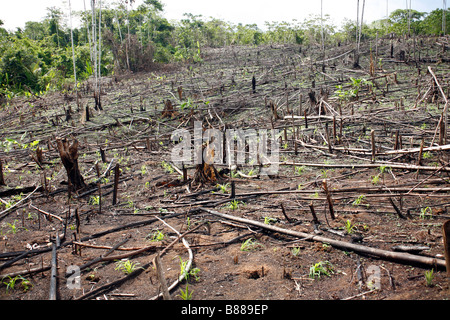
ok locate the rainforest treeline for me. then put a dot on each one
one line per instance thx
(112, 39)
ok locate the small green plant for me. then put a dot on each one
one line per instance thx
(299, 170)
(324, 173)
(186, 294)
(295, 251)
(383, 170)
(223, 187)
(425, 213)
(9, 144)
(250, 245)
(427, 155)
(187, 105)
(155, 236)
(234, 204)
(375, 179)
(167, 167)
(429, 276)
(126, 266)
(12, 281)
(359, 200)
(144, 170)
(319, 269)
(349, 227)
(94, 200)
(186, 274)
(13, 228)
(269, 220)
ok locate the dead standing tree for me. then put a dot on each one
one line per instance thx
(69, 158)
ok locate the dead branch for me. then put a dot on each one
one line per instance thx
(5, 212)
(399, 257)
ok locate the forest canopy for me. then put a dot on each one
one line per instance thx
(43, 55)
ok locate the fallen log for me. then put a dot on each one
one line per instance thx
(399, 257)
(392, 165)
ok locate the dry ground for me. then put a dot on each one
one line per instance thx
(134, 134)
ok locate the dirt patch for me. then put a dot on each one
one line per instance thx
(233, 260)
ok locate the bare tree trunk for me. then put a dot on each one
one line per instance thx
(88, 34)
(99, 90)
(73, 53)
(444, 16)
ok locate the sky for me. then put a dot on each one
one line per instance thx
(14, 13)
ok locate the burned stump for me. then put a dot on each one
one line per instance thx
(205, 172)
(169, 111)
(69, 158)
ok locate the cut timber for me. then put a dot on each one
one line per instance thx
(69, 158)
(414, 150)
(399, 257)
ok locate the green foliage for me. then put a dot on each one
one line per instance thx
(425, 213)
(126, 266)
(186, 294)
(349, 227)
(429, 276)
(155, 236)
(234, 204)
(250, 245)
(321, 268)
(11, 283)
(39, 57)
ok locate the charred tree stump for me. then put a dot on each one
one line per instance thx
(169, 111)
(2, 180)
(98, 101)
(205, 172)
(446, 234)
(69, 158)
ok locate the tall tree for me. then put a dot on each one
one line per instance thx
(73, 53)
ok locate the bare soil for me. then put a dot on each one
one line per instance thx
(133, 132)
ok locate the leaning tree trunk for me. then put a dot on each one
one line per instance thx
(69, 158)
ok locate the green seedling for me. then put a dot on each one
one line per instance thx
(299, 170)
(186, 274)
(250, 245)
(12, 282)
(425, 213)
(223, 188)
(126, 266)
(186, 294)
(295, 251)
(234, 204)
(167, 167)
(429, 276)
(358, 201)
(13, 228)
(349, 227)
(269, 220)
(94, 200)
(319, 269)
(156, 236)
